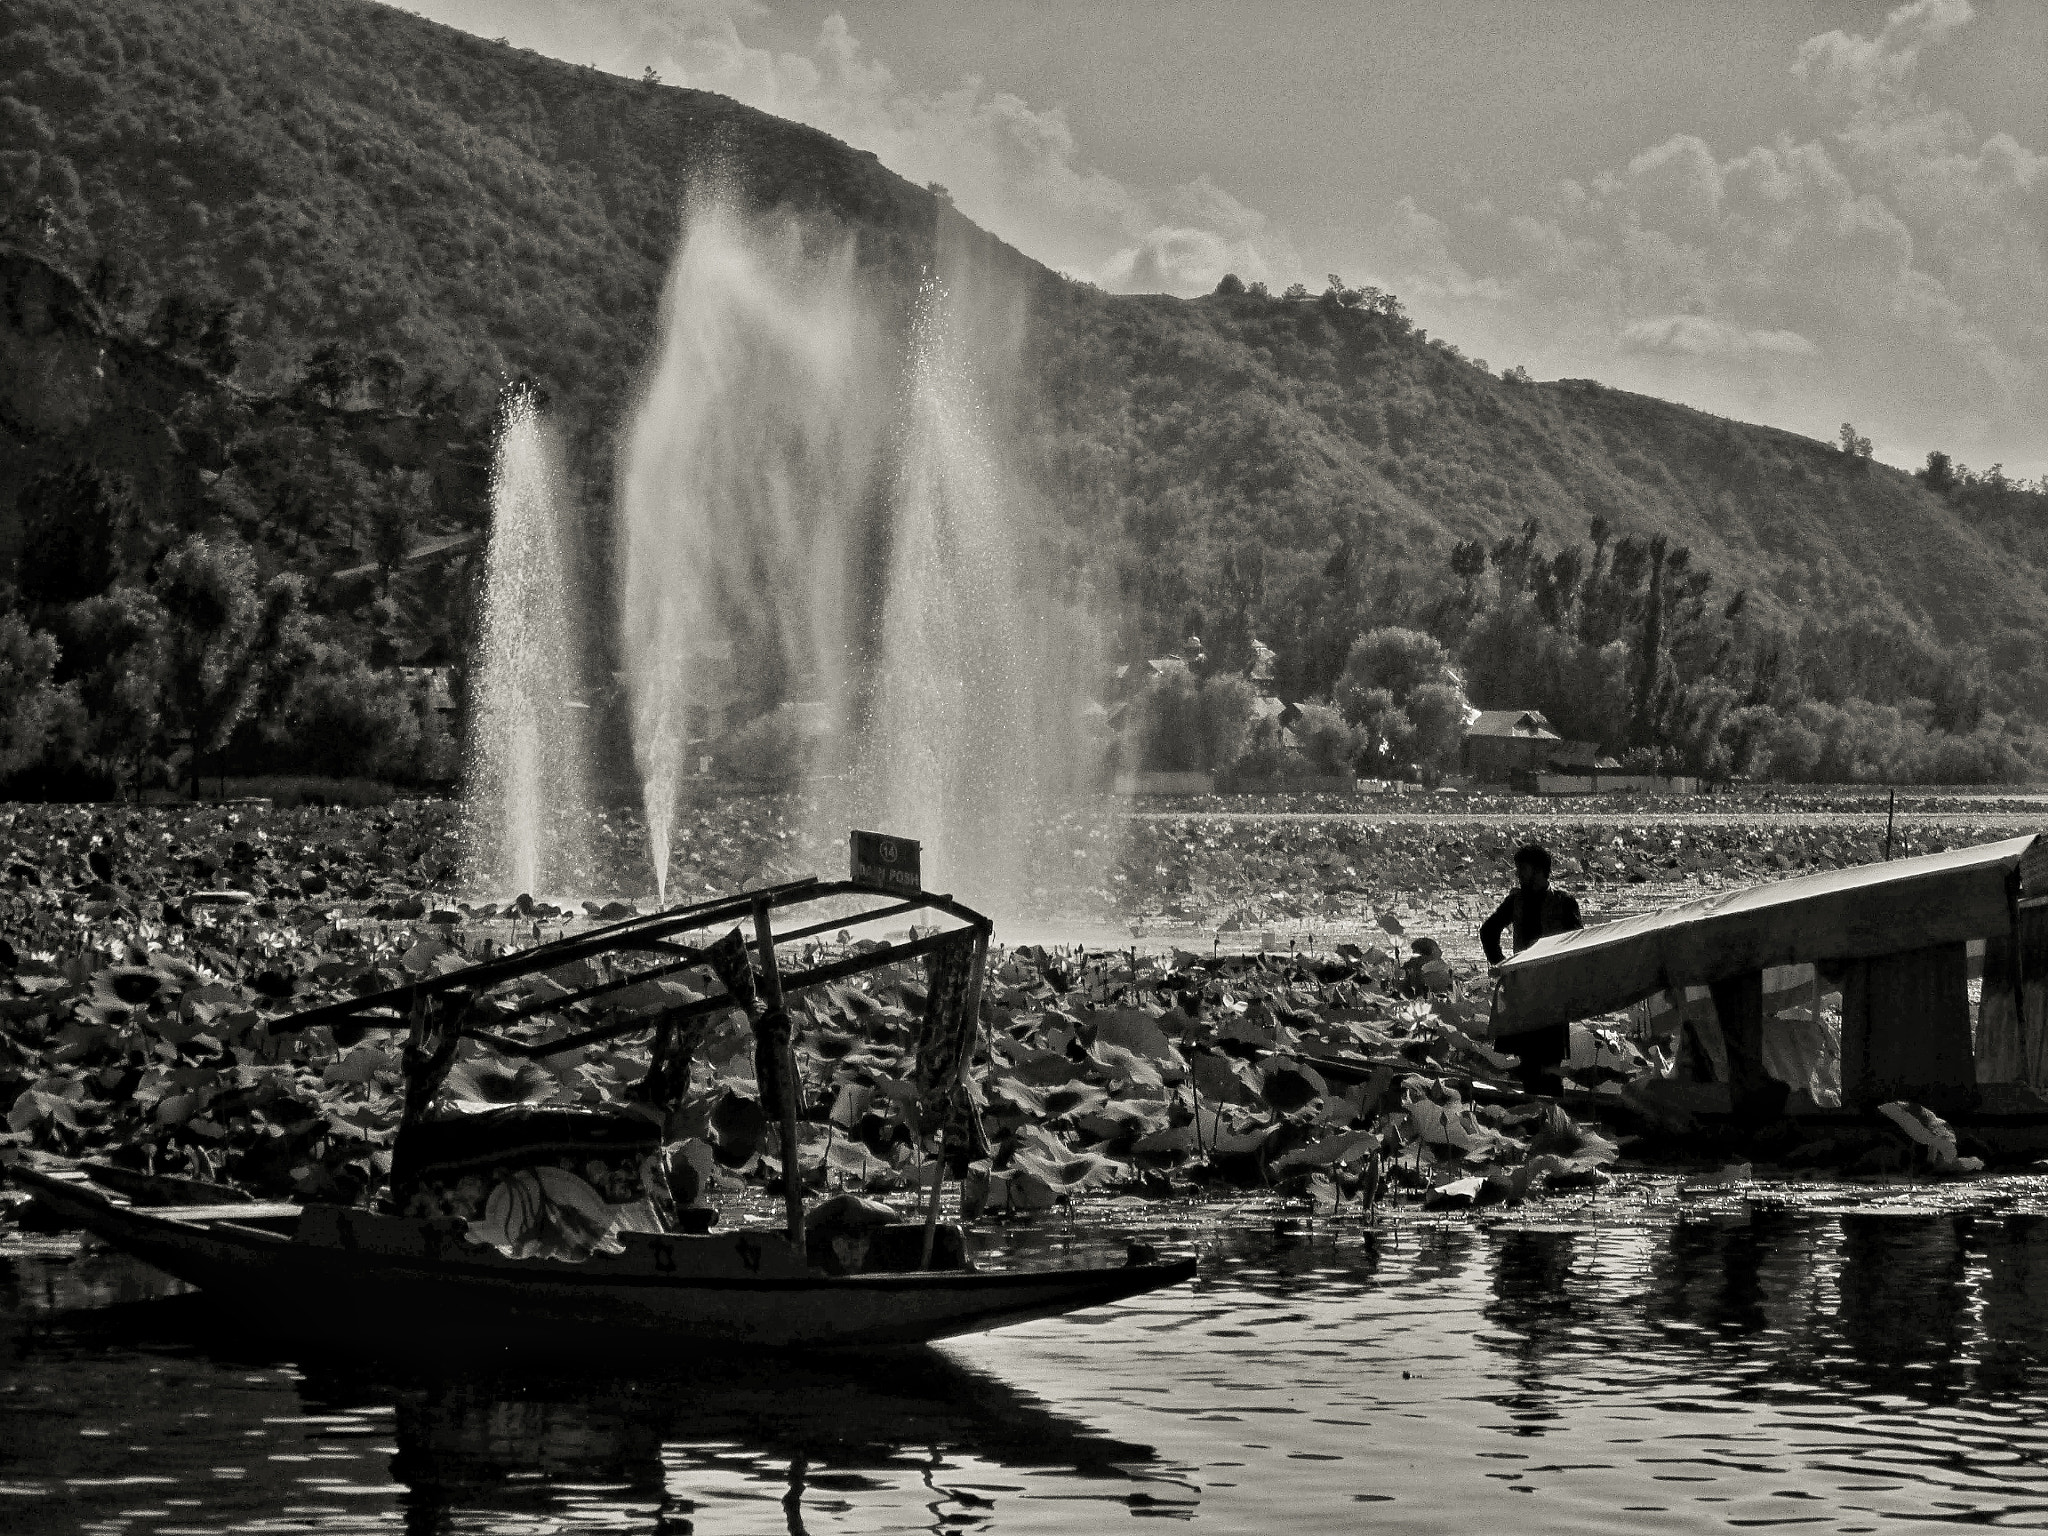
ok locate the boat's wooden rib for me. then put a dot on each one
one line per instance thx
(239, 1251)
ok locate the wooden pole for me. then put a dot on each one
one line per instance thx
(792, 1159)
(973, 1005)
(1890, 810)
(931, 1209)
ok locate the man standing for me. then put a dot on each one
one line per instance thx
(1533, 911)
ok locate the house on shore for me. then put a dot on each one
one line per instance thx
(1500, 743)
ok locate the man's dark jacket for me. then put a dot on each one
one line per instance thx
(1553, 912)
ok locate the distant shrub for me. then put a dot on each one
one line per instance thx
(1328, 743)
(1397, 660)
(344, 719)
(1186, 724)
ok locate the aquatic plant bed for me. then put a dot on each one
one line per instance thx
(143, 953)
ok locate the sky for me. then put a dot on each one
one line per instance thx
(1796, 212)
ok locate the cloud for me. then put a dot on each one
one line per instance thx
(1890, 271)
(1861, 71)
(1700, 336)
(1011, 167)
(1212, 233)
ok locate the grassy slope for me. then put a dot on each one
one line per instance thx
(343, 170)
(1300, 425)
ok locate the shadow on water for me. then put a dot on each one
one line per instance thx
(1894, 1365)
(480, 1431)
(473, 1437)
(1935, 1307)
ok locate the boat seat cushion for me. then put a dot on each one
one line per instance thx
(448, 1166)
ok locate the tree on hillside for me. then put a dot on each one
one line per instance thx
(1230, 285)
(1188, 724)
(1349, 298)
(114, 656)
(1650, 655)
(1436, 711)
(332, 373)
(1240, 587)
(399, 499)
(1328, 743)
(179, 322)
(108, 283)
(36, 715)
(1468, 564)
(1383, 726)
(1398, 660)
(383, 378)
(1402, 691)
(220, 635)
(217, 345)
(1513, 555)
(1940, 471)
(1853, 447)
(340, 718)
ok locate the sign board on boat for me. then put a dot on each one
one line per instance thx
(884, 863)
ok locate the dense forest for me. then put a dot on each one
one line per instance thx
(265, 270)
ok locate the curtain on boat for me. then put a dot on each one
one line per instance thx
(949, 1031)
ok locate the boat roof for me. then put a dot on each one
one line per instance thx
(820, 908)
(1842, 914)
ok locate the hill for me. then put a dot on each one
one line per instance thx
(315, 237)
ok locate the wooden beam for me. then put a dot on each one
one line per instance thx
(792, 1149)
(1753, 1094)
(1906, 1030)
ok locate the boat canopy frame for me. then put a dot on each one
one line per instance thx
(437, 1011)
(654, 933)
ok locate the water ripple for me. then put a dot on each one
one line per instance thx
(1828, 1371)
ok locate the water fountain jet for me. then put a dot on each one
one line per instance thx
(813, 509)
(747, 457)
(528, 769)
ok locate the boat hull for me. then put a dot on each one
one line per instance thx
(289, 1283)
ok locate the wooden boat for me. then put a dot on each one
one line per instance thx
(359, 1273)
(1825, 996)
(416, 1265)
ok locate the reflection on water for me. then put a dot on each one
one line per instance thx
(1836, 1372)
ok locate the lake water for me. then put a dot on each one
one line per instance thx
(1665, 1363)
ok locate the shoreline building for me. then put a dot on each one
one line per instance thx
(1500, 743)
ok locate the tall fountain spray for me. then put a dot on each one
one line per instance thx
(528, 764)
(952, 740)
(742, 473)
(813, 507)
